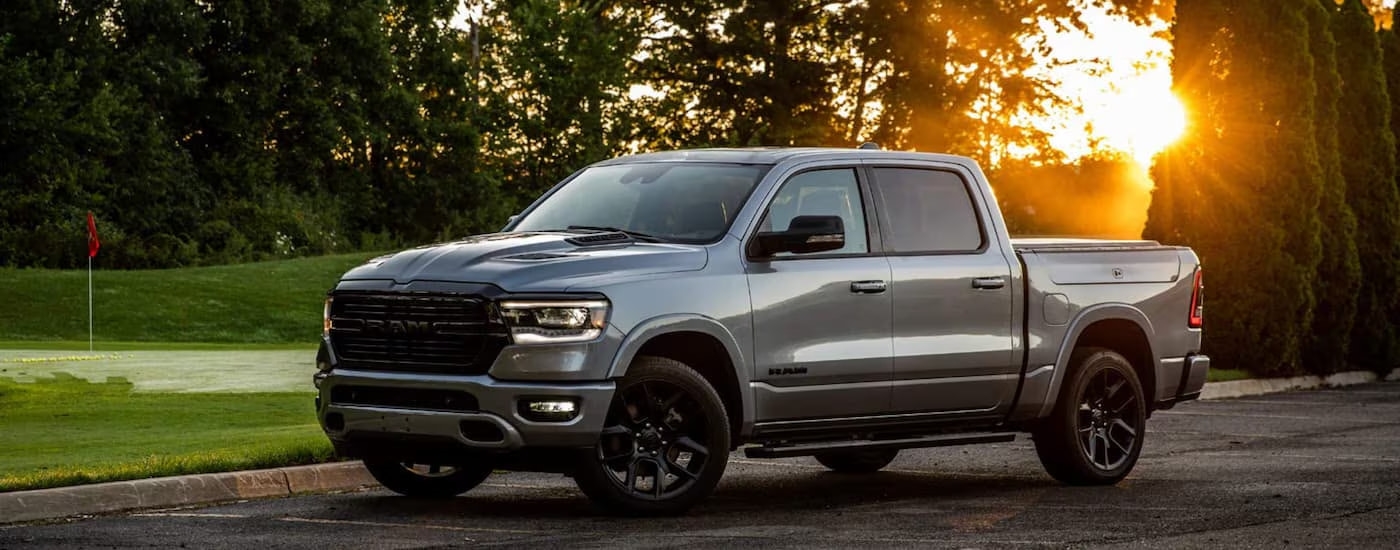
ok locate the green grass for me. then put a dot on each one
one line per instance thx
(62, 430)
(1226, 375)
(263, 303)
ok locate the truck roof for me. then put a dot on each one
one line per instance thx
(774, 155)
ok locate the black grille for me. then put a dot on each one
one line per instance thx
(414, 332)
(405, 398)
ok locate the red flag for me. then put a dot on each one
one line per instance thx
(93, 243)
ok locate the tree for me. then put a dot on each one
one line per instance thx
(741, 72)
(1243, 187)
(562, 73)
(1368, 150)
(1339, 273)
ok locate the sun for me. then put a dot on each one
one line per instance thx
(1119, 78)
(1141, 122)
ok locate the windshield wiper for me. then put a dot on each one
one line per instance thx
(634, 234)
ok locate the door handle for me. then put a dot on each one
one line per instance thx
(988, 283)
(868, 287)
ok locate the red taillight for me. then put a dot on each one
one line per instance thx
(1198, 310)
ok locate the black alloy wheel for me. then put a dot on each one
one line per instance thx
(427, 480)
(1094, 435)
(1106, 409)
(664, 443)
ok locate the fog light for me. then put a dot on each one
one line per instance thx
(549, 409)
(335, 422)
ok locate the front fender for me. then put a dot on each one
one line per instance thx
(1083, 321)
(669, 324)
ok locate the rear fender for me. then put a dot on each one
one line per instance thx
(1086, 318)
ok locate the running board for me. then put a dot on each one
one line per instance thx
(808, 449)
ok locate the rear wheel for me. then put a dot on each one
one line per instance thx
(1094, 435)
(664, 444)
(857, 462)
(426, 480)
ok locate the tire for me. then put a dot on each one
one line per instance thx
(1094, 435)
(857, 462)
(666, 422)
(425, 481)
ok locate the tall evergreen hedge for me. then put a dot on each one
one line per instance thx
(1368, 150)
(1339, 272)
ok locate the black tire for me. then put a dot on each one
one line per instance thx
(666, 422)
(857, 462)
(426, 481)
(1094, 435)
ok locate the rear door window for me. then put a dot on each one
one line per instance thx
(927, 211)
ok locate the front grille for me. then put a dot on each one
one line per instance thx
(414, 332)
(404, 398)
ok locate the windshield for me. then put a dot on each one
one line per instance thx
(689, 202)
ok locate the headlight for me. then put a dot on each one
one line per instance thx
(555, 322)
(326, 318)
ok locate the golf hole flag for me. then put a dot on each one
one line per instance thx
(93, 243)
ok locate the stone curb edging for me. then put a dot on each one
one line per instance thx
(1261, 386)
(166, 492)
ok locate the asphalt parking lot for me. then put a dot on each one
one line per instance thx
(1308, 469)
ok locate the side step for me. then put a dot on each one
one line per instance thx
(808, 449)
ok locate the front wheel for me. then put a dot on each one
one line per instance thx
(1094, 435)
(426, 480)
(664, 444)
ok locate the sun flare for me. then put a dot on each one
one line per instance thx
(1141, 123)
(1125, 104)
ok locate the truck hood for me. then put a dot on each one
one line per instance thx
(530, 262)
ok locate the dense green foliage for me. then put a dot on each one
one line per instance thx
(118, 434)
(216, 132)
(1339, 273)
(1368, 150)
(1244, 188)
(266, 302)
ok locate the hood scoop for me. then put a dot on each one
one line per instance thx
(599, 239)
(536, 256)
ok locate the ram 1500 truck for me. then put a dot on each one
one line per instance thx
(654, 313)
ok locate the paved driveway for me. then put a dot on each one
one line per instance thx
(1296, 470)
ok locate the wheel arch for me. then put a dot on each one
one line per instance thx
(1118, 327)
(705, 345)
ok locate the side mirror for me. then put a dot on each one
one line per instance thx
(804, 235)
(511, 221)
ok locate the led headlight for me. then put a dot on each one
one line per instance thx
(326, 318)
(554, 322)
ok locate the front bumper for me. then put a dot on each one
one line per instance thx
(350, 424)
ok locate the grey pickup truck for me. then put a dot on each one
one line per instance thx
(653, 314)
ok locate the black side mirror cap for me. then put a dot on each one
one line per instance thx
(804, 235)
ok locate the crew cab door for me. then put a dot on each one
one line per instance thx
(821, 321)
(954, 326)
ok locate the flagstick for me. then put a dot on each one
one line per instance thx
(89, 303)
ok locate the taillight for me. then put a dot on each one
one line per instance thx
(1198, 309)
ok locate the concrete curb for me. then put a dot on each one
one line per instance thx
(1262, 386)
(166, 492)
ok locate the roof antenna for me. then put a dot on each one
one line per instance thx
(870, 145)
